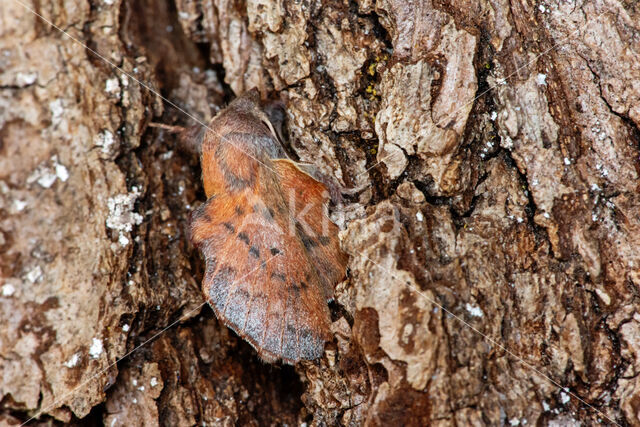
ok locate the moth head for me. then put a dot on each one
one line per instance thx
(245, 114)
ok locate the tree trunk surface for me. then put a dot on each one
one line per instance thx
(492, 152)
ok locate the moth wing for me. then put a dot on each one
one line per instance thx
(259, 278)
(308, 199)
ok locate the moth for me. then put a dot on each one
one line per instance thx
(272, 254)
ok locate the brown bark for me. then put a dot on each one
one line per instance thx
(494, 250)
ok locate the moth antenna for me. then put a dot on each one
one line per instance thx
(189, 138)
(169, 128)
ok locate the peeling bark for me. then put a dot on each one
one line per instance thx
(492, 154)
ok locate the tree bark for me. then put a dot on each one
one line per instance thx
(492, 154)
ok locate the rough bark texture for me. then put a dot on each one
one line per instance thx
(495, 248)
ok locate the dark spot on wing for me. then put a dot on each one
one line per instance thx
(275, 251)
(243, 236)
(268, 214)
(303, 285)
(324, 240)
(229, 226)
(254, 251)
(296, 289)
(239, 211)
(307, 241)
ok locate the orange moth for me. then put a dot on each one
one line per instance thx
(272, 254)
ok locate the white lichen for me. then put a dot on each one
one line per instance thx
(603, 296)
(121, 216)
(34, 274)
(43, 175)
(26, 79)
(61, 170)
(73, 361)
(57, 109)
(123, 240)
(62, 173)
(47, 173)
(19, 205)
(112, 86)
(474, 310)
(105, 141)
(8, 289)
(96, 348)
(406, 333)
